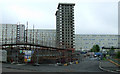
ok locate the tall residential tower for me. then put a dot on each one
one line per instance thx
(12, 33)
(65, 25)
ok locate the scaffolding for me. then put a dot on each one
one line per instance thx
(41, 54)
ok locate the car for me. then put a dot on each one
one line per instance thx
(95, 55)
(36, 64)
(94, 58)
(58, 64)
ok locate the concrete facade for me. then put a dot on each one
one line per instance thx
(84, 41)
(21, 33)
(45, 37)
(0, 34)
(65, 25)
(10, 33)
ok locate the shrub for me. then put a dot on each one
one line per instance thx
(118, 54)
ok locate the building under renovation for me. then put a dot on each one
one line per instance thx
(65, 33)
(35, 45)
(31, 45)
(32, 53)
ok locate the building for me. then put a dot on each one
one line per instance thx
(0, 34)
(84, 41)
(21, 33)
(119, 24)
(11, 33)
(45, 37)
(65, 25)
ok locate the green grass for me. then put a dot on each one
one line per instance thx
(104, 59)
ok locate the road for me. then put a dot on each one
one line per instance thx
(14, 70)
(86, 65)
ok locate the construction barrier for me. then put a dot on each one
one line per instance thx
(76, 62)
(66, 64)
(72, 62)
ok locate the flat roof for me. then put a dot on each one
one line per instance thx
(68, 3)
(65, 4)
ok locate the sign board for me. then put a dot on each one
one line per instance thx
(27, 56)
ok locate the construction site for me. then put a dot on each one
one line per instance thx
(25, 52)
(30, 53)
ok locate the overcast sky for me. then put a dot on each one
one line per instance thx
(91, 16)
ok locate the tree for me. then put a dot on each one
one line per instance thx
(111, 52)
(112, 48)
(91, 50)
(95, 48)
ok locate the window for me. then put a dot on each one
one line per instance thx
(110, 43)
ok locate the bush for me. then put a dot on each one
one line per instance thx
(118, 54)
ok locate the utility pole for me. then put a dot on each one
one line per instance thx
(36, 37)
(12, 36)
(42, 38)
(6, 35)
(11, 42)
(33, 33)
(26, 37)
(2, 37)
(26, 31)
(30, 37)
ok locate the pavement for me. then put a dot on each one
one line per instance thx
(106, 65)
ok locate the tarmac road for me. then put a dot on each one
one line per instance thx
(86, 65)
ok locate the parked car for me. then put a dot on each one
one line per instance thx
(36, 64)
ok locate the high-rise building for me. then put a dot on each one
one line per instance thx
(65, 25)
(0, 34)
(21, 33)
(12, 33)
(119, 24)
